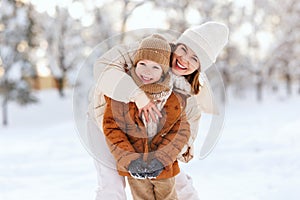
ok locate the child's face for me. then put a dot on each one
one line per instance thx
(148, 71)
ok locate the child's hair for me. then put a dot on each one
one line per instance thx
(192, 78)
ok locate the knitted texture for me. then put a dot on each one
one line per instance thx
(156, 88)
(154, 48)
(206, 40)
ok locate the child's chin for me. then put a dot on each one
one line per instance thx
(146, 83)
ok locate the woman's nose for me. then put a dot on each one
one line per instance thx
(184, 59)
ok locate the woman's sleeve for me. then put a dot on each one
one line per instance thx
(112, 80)
(193, 112)
(205, 98)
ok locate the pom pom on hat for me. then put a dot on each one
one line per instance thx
(206, 40)
(155, 48)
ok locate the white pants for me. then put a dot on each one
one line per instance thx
(110, 184)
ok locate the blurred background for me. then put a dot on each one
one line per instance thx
(43, 43)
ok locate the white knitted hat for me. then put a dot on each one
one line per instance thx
(206, 40)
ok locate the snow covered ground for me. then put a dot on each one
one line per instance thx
(257, 157)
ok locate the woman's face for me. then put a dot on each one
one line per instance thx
(148, 71)
(184, 61)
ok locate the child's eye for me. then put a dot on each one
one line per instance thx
(142, 63)
(156, 67)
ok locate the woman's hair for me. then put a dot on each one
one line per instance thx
(192, 78)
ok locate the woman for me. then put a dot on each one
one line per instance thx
(195, 50)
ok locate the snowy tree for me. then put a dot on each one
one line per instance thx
(13, 57)
(284, 61)
(64, 45)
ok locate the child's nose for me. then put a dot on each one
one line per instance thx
(147, 71)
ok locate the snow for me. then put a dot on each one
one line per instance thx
(256, 158)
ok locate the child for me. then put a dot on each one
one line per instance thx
(146, 152)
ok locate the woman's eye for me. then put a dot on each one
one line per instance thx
(155, 67)
(183, 48)
(195, 59)
(141, 63)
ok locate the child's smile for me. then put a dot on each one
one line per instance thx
(148, 71)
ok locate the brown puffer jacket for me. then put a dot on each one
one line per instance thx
(127, 139)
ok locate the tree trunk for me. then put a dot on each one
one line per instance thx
(4, 112)
(299, 86)
(288, 84)
(60, 86)
(259, 91)
(259, 86)
(226, 81)
(125, 16)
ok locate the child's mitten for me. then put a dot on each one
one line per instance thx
(154, 168)
(137, 169)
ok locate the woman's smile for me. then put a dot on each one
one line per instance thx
(179, 65)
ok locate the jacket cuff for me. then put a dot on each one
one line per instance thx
(124, 161)
(141, 100)
(164, 158)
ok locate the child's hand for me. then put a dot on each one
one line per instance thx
(137, 169)
(150, 110)
(154, 168)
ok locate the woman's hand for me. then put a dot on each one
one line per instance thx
(150, 109)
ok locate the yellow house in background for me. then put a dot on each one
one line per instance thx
(44, 79)
(43, 82)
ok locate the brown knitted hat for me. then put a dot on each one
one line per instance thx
(155, 48)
